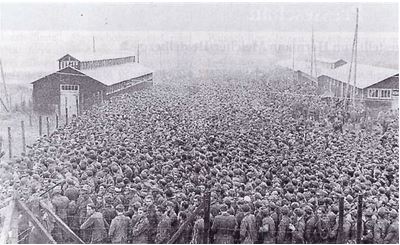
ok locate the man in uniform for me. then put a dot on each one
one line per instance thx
(108, 210)
(381, 226)
(95, 223)
(60, 204)
(299, 226)
(83, 201)
(311, 226)
(141, 227)
(332, 227)
(198, 229)
(224, 226)
(119, 226)
(248, 230)
(368, 228)
(392, 236)
(267, 228)
(284, 234)
(164, 225)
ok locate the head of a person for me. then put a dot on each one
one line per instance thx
(120, 208)
(182, 216)
(141, 211)
(90, 209)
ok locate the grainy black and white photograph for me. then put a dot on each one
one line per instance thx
(199, 122)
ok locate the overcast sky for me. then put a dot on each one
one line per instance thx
(336, 17)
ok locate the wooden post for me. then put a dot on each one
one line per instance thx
(40, 126)
(340, 228)
(35, 221)
(48, 126)
(56, 121)
(30, 119)
(7, 223)
(188, 221)
(61, 224)
(23, 137)
(13, 235)
(206, 217)
(66, 116)
(359, 218)
(9, 143)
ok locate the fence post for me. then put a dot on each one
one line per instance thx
(56, 121)
(40, 126)
(340, 228)
(359, 218)
(48, 126)
(66, 116)
(9, 143)
(23, 137)
(206, 234)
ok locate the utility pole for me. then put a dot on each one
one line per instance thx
(294, 72)
(312, 68)
(5, 87)
(355, 61)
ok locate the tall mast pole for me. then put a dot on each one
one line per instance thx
(293, 59)
(312, 50)
(355, 60)
(315, 58)
(5, 86)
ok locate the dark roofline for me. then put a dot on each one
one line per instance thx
(66, 56)
(81, 73)
(395, 75)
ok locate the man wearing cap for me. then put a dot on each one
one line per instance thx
(83, 201)
(164, 225)
(299, 226)
(119, 226)
(392, 236)
(108, 210)
(224, 226)
(267, 228)
(381, 226)
(311, 226)
(95, 223)
(332, 227)
(284, 233)
(60, 204)
(141, 227)
(368, 228)
(198, 229)
(248, 230)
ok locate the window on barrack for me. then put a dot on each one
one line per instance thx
(386, 93)
(373, 93)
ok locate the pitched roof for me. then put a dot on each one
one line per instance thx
(117, 73)
(66, 70)
(327, 60)
(97, 56)
(367, 75)
(108, 75)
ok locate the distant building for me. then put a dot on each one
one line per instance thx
(330, 63)
(376, 86)
(80, 82)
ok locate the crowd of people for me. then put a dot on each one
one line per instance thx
(274, 156)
